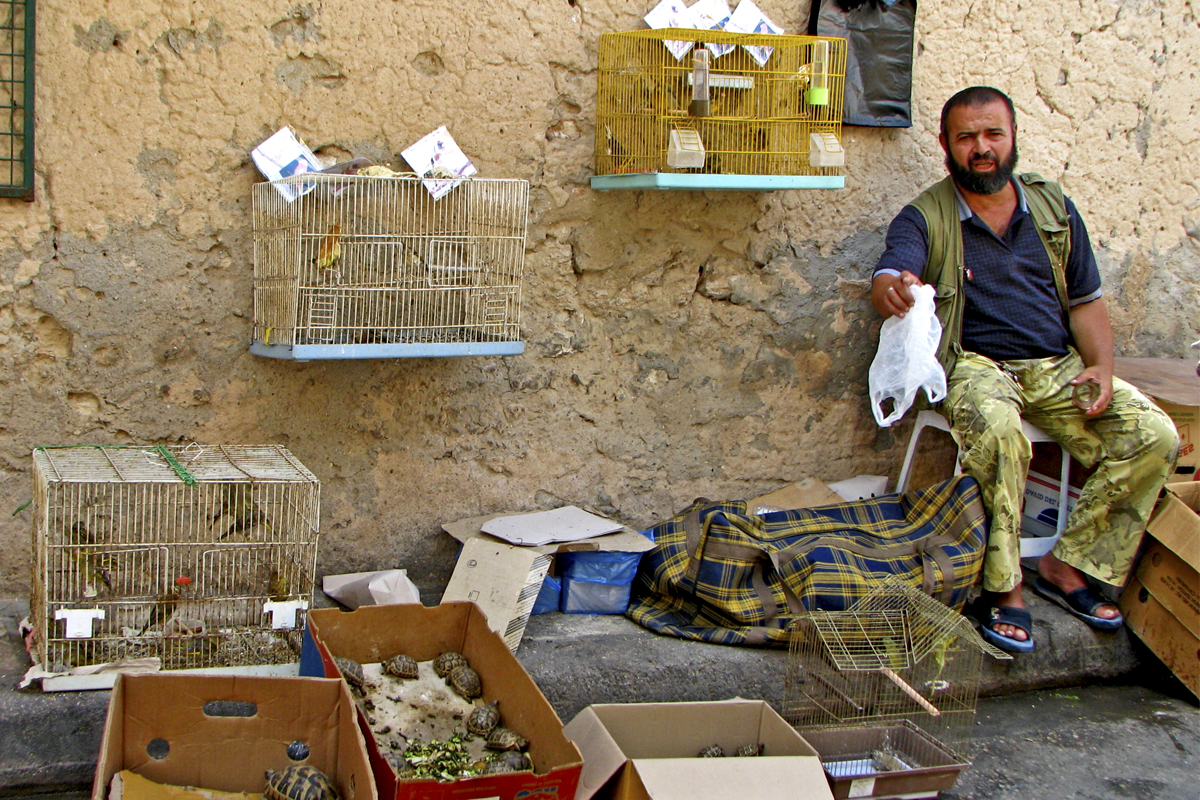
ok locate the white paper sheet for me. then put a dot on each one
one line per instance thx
(438, 151)
(566, 524)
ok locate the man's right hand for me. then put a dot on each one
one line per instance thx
(890, 294)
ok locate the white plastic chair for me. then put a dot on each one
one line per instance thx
(1031, 546)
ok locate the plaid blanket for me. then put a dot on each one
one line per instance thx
(719, 574)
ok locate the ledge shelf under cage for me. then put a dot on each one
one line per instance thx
(352, 267)
(196, 557)
(682, 109)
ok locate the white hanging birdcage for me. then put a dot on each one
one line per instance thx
(353, 266)
(197, 556)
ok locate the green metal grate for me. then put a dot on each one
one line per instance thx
(16, 98)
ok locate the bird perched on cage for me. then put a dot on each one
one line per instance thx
(278, 587)
(95, 566)
(238, 512)
(413, 263)
(164, 607)
(330, 249)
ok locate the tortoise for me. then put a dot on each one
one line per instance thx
(401, 666)
(752, 749)
(505, 739)
(484, 718)
(712, 751)
(400, 765)
(447, 661)
(465, 681)
(352, 671)
(508, 761)
(299, 782)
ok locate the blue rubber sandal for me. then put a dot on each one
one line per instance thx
(987, 615)
(1081, 602)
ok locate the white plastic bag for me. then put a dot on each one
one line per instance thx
(907, 359)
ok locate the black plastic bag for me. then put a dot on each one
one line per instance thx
(879, 46)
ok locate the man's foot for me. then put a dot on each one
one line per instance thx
(1004, 622)
(1010, 599)
(1064, 585)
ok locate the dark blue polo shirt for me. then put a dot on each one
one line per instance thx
(1011, 305)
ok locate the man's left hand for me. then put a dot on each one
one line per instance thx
(1101, 377)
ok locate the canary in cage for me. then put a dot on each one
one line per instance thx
(330, 249)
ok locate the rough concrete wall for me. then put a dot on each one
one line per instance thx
(678, 344)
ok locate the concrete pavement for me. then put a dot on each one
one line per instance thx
(49, 742)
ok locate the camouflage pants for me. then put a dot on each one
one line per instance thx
(1133, 445)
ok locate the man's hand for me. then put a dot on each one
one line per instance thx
(890, 294)
(1103, 379)
(1093, 336)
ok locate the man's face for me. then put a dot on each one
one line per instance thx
(981, 147)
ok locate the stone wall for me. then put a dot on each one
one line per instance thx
(678, 344)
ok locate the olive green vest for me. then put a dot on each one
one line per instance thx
(944, 268)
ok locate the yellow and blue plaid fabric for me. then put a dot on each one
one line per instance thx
(719, 574)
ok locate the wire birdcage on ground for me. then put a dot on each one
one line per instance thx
(197, 556)
(351, 266)
(761, 118)
(890, 685)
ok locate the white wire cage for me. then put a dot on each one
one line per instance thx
(196, 556)
(889, 686)
(351, 266)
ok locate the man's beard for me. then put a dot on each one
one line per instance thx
(983, 182)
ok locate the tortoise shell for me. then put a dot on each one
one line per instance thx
(712, 751)
(401, 666)
(446, 662)
(484, 718)
(508, 761)
(299, 782)
(400, 765)
(352, 671)
(505, 739)
(752, 749)
(465, 681)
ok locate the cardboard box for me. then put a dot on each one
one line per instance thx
(223, 732)
(504, 579)
(1039, 514)
(1173, 385)
(374, 633)
(1165, 635)
(804, 493)
(648, 751)
(1162, 603)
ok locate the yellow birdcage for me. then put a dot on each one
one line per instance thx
(355, 266)
(196, 556)
(772, 118)
(886, 692)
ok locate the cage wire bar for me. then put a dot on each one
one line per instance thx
(374, 267)
(895, 679)
(197, 556)
(17, 48)
(760, 122)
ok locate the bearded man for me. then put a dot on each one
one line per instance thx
(1025, 328)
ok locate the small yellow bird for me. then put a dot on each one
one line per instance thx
(330, 249)
(166, 605)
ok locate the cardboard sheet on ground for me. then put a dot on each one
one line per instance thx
(566, 524)
(624, 540)
(381, 588)
(804, 493)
